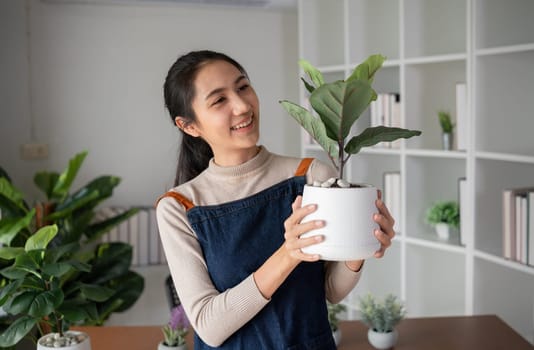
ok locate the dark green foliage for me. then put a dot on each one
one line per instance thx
(57, 275)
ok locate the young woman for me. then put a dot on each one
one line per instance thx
(231, 227)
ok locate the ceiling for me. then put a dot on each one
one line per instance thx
(288, 4)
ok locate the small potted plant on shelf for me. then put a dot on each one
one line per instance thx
(175, 331)
(382, 317)
(447, 128)
(348, 208)
(53, 272)
(444, 215)
(333, 319)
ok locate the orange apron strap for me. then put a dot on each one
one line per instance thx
(180, 198)
(303, 167)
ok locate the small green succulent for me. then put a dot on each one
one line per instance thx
(381, 316)
(445, 122)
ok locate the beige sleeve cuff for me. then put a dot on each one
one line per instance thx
(339, 280)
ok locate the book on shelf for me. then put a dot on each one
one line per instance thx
(385, 110)
(392, 196)
(517, 235)
(461, 117)
(465, 235)
(530, 216)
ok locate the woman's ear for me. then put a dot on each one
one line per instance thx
(189, 128)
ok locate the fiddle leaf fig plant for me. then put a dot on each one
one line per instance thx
(339, 105)
(54, 273)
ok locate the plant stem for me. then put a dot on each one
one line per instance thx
(341, 160)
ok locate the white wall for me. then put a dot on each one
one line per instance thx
(97, 76)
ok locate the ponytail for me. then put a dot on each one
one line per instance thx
(194, 157)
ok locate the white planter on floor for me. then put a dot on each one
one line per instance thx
(348, 214)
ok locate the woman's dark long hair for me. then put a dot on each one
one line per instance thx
(179, 91)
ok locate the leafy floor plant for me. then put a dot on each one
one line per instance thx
(53, 271)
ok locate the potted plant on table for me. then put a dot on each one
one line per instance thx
(175, 331)
(347, 208)
(447, 128)
(53, 272)
(333, 319)
(382, 317)
(444, 215)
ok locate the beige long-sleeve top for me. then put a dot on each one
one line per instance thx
(215, 315)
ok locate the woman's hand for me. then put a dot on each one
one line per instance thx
(384, 219)
(294, 228)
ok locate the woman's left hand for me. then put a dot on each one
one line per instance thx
(384, 219)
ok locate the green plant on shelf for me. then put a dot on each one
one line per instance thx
(445, 212)
(445, 121)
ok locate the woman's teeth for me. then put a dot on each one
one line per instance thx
(242, 125)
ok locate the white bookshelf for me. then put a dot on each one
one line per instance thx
(431, 45)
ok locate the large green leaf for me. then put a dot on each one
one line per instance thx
(313, 126)
(107, 309)
(17, 330)
(54, 254)
(46, 181)
(313, 73)
(11, 199)
(77, 311)
(10, 227)
(13, 273)
(87, 197)
(129, 288)
(96, 230)
(96, 292)
(8, 291)
(81, 199)
(57, 269)
(9, 253)
(62, 186)
(112, 260)
(366, 70)
(340, 104)
(30, 261)
(41, 238)
(371, 136)
(37, 304)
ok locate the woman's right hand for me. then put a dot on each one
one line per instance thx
(295, 228)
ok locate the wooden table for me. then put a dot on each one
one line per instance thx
(437, 333)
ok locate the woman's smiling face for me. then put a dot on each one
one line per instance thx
(227, 113)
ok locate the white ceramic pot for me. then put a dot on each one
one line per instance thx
(162, 346)
(337, 336)
(46, 341)
(348, 214)
(382, 341)
(443, 231)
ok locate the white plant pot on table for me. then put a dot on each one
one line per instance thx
(382, 341)
(349, 225)
(72, 340)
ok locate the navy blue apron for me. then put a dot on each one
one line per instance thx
(237, 238)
